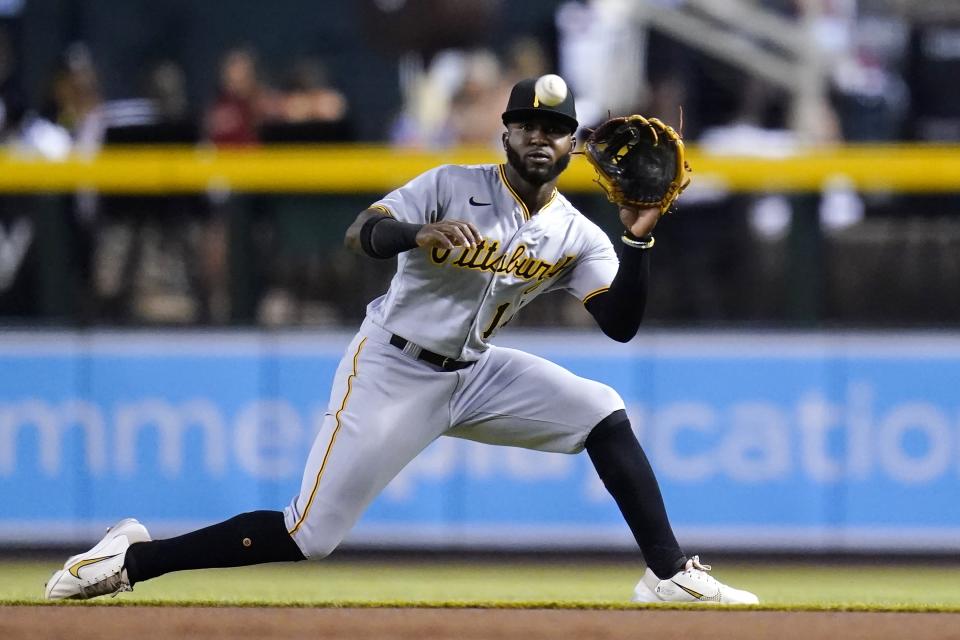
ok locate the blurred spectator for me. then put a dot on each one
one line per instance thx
(865, 51)
(148, 264)
(525, 58)
(475, 108)
(77, 99)
(934, 59)
(457, 99)
(161, 116)
(308, 96)
(307, 108)
(11, 98)
(428, 90)
(598, 41)
(22, 129)
(475, 112)
(299, 251)
(241, 104)
(167, 89)
(34, 135)
(233, 120)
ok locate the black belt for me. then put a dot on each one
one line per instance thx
(448, 364)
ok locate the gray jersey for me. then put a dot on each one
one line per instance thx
(453, 302)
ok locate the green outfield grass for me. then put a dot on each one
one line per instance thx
(367, 583)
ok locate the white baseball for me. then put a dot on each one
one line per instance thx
(551, 90)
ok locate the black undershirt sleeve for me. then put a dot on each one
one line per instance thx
(384, 237)
(619, 310)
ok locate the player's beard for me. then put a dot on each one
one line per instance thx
(541, 174)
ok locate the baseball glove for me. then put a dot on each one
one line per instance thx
(639, 161)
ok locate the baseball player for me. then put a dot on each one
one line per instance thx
(475, 244)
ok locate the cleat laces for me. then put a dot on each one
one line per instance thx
(106, 584)
(694, 563)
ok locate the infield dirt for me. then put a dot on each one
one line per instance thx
(180, 623)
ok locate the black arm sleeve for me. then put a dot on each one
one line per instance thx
(383, 237)
(619, 310)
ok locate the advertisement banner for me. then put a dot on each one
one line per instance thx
(760, 441)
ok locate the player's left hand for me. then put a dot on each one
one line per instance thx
(638, 221)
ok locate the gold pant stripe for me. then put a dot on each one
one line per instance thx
(595, 292)
(333, 439)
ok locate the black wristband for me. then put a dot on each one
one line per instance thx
(383, 237)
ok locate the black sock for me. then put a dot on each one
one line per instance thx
(626, 473)
(249, 538)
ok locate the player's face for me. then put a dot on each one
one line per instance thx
(538, 149)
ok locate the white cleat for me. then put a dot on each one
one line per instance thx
(98, 572)
(692, 585)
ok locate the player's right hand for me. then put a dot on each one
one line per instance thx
(448, 234)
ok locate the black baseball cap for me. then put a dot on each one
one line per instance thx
(523, 104)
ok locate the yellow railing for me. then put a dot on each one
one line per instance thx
(368, 169)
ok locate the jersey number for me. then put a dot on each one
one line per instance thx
(496, 320)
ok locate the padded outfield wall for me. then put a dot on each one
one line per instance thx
(789, 441)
